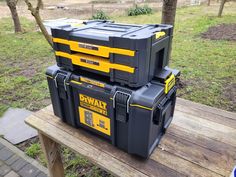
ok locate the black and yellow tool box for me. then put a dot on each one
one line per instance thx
(131, 119)
(127, 54)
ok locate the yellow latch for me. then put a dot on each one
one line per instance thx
(160, 34)
(169, 83)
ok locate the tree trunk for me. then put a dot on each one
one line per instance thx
(168, 17)
(222, 4)
(35, 13)
(169, 11)
(12, 6)
(209, 2)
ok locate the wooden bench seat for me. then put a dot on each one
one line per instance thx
(201, 141)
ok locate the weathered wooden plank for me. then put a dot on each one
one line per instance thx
(190, 147)
(193, 158)
(100, 158)
(203, 141)
(205, 127)
(207, 115)
(205, 108)
(150, 167)
(52, 154)
(182, 165)
(206, 158)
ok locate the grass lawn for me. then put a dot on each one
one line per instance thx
(208, 67)
(24, 58)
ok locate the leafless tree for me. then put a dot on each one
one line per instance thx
(35, 12)
(12, 6)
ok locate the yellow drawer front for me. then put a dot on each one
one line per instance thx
(95, 63)
(97, 50)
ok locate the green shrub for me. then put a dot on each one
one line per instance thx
(137, 10)
(34, 150)
(100, 15)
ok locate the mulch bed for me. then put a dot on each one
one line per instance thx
(221, 32)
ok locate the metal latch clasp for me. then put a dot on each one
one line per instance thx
(127, 102)
(64, 81)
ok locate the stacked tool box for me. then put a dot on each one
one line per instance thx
(113, 80)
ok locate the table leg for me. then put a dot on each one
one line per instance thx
(52, 154)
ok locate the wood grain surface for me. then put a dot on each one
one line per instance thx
(201, 141)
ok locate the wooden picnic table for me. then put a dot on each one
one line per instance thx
(201, 141)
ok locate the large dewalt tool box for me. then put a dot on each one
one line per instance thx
(131, 119)
(126, 53)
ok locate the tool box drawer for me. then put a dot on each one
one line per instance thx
(125, 53)
(133, 120)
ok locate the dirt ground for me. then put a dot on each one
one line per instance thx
(224, 32)
(82, 9)
(72, 9)
(221, 32)
(230, 93)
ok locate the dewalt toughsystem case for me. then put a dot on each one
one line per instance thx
(131, 119)
(128, 54)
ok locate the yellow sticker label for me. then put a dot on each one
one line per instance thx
(93, 104)
(95, 121)
(160, 34)
(169, 83)
(93, 82)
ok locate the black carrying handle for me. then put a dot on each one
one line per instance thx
(159, 111)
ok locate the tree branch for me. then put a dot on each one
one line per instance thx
(39, 4)
(35, 13)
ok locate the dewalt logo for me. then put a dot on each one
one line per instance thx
(93, 101)
(93, 104)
